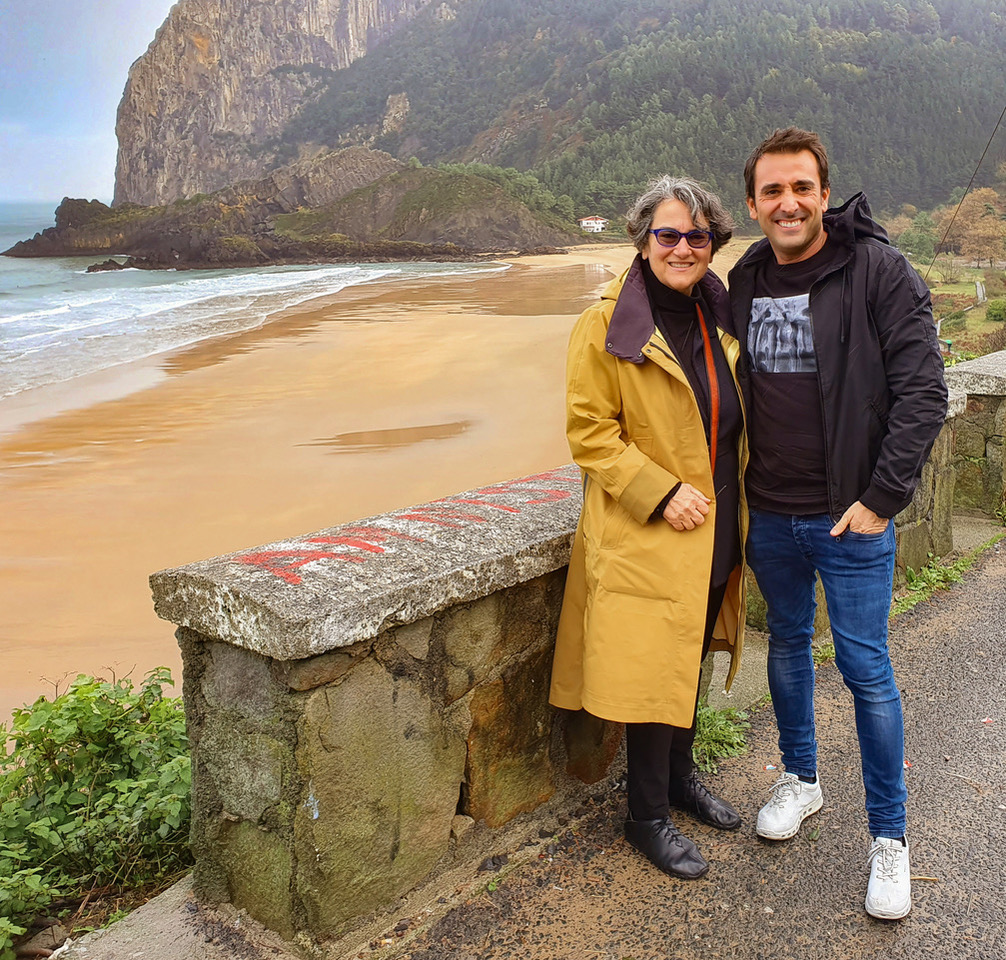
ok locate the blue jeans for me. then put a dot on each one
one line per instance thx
(856, 571)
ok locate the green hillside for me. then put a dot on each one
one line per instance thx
(596, 96)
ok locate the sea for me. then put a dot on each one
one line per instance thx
(58, 322)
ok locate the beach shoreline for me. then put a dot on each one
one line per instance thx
(386, 394)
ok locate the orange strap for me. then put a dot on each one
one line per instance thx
(714, 390)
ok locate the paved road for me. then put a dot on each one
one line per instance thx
(599, 900)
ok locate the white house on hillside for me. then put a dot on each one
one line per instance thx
(593, 224)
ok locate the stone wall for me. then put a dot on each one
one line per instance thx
(981, 432)
(358, 697)
(925, 527)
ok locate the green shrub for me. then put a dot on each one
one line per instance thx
(94, 791)
(996, 310)
(718, 734)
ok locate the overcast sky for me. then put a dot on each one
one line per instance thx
(63, 65)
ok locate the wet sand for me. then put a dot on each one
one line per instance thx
(385, 395)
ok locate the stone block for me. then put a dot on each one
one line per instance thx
(259, 871)
(237, 681)
(915, 544)
(591, 744)
(527, 620)
(308, 595)
(509, 770)
(922, 501)
(312, 672)
(382, 773)
(414, 638)
(246, 768)
(756, 607)
(469, 635)
(980, 411)
(995, 479)
(999, 420)
(943, 511)
(969, 485)
(969, 439)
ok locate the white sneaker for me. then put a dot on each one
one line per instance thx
(889, 894)
(792, 802)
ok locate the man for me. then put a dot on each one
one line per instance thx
(846, 396)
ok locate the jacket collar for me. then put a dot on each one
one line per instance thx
(631, 325)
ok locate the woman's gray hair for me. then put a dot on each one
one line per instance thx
(703, 205)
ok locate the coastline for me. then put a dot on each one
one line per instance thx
(386, 394)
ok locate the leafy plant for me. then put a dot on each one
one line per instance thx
(94, 793)
(718, 734)
(920, 584)
(996, 310)
(823, 653)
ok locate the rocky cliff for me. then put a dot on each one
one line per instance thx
(351, 204)
(223, 76)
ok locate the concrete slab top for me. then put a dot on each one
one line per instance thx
(304, 596)
(983, 376)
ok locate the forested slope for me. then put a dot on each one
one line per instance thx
(595, 96)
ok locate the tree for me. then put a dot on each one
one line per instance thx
(917, 243)
(896, 226)
(956, 222)
(984, 239)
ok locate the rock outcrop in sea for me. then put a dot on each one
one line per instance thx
(223, 76)
(350, 204)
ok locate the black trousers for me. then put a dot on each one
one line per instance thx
(659, 753)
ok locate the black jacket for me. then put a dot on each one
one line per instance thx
(883, 397)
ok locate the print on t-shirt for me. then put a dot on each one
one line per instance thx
(780, 338)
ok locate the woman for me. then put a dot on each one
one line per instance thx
(655, 421)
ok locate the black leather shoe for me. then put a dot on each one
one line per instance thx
(666, 847)
(690, 794)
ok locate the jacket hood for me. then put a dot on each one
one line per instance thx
(845, 225)
(632, 325)
(854, 221)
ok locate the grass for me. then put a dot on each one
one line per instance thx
(719, 734)
(823, 653)
(936, 575)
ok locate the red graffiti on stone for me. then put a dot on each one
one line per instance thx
(480, 503)
(364, 538)
(529, 485)
(282, 563)
(441, 516)
(368, 539)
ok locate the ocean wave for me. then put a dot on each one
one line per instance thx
(36, 314)
(70, 324)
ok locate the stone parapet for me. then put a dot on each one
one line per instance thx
(924, 529)
(355, 694)
(981, 432)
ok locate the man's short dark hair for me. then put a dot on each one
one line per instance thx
(790, 140)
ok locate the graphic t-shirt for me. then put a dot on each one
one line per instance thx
(787, 472)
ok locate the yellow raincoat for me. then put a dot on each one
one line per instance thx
(630, 633)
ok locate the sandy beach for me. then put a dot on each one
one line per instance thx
(385, 395)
